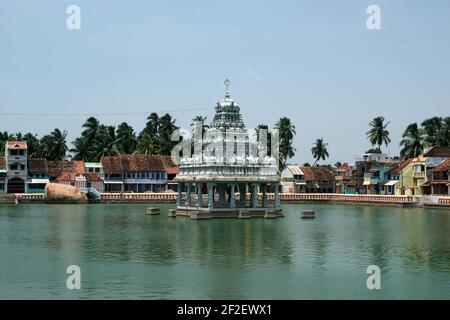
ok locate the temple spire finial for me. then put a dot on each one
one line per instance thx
(227, 83)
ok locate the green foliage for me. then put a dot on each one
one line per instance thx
(319, 150)
(378, 133)
(286, 133)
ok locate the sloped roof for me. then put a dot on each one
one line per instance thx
(317, 173)
(402, 165)
(437, 152)
(344, 166)
(132, 163)
(443, 166)
(57, 168)
(38, 166)
(17, 145)
(296, 170)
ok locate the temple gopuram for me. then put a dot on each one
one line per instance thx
(229, 178)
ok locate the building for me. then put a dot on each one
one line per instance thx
(16, 155)
(439, 182)
(318, 180)
(414, 178)
(58, 167)
(293, 180)
(2, 175)
(227, 171)
(82, 181)
(37, 175)
(344, 179)
(369, 173)
(172, 170)
(393, 176)
(134, 173)
(94, 167)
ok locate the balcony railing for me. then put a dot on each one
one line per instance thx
(419, 174)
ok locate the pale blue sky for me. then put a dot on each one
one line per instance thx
(312, 61)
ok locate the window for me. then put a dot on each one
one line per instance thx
(21, 152)
(22, 167)
(13, 166)
(13, 152)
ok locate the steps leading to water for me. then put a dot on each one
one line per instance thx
(7, 198)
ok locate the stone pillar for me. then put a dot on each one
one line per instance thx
(254, 195)
(222, 190)
(264, 195)
(277, 196)
(243, 195)
(188, 195)
(180, 195)
(232, 199)
(210, 196)
(199, 195)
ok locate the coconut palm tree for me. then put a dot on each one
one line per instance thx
(91, 126)
(319, 150)
(286, 133)
(148, 138)
(54, 145)
(166, 128)
(127, 141)
(436, 132)
(378, 133)
(412, 142)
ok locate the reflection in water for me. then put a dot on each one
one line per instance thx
(123, 253)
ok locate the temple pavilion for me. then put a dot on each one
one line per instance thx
(230, 180)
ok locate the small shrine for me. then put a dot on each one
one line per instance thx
(231, 179)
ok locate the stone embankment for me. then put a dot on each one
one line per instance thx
(59, 195)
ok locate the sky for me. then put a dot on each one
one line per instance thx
(315, 62)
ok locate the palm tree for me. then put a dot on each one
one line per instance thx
(91, 126)
(319, 151)
(148, 138)
(286, 133)
(412, 142)
(166, 128)
(378, 133)
(126, 136)
(4, 136)
(338, 164)
(54, 145)
(82, 149)
(33, 145)
(436, 132)
(105, 143)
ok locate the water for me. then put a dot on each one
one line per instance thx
(125, 254)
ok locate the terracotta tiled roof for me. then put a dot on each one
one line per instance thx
(169, 164)
(132, 163)
(420, 159)
(57, 168)
(38, 166)
(71, 176)
(2, 163)
(18, 145)
(443, 166)
(344, 167)
(401, 166)
(437, 152)
(440, 181)
(173, 170)
(317, 173)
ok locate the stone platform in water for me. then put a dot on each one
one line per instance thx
(241, 214)
(153, 211)
(308, 214)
